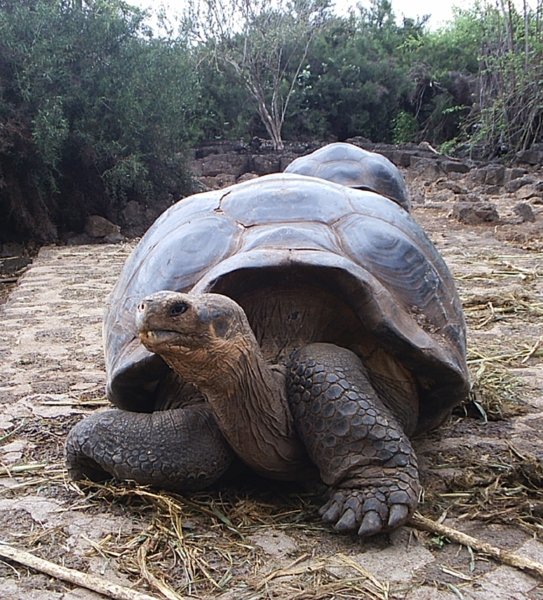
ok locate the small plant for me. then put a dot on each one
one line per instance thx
(439, 541)
(404, 128)
(449, 146)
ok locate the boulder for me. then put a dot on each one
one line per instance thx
(452, 166)
(427, 168)
(217, 164)
(12, 264)
(527, 191)
(525, 212)
(98, 227)
(216, 182)
(513, 173)
(515, 184)
(475, 213)
(266, 163)
(445, 184)
(494, 174)
(532, 156)
(247, 177)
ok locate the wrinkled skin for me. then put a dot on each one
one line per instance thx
(317, 415)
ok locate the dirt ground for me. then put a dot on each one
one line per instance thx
(482, 471)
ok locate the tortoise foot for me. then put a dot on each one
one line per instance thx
(179, 449)
(373, 508)
(358, 444)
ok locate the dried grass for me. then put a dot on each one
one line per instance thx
(202, 546)
(482, 310)
(494, 394)
(502, 487)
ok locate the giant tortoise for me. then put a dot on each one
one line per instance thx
(300, 326)
(354, 167)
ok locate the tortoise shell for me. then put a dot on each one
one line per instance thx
(354, 167)
(290, 231)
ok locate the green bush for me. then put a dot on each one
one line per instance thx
(94, 111)
(405, 128)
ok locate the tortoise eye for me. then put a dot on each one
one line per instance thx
(178, 308)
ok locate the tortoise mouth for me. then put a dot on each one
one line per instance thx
(158, 338)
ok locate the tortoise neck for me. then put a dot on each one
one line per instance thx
(249, 400)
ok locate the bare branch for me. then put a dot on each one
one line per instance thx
(264, 44)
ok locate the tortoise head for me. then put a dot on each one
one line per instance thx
(173, 322)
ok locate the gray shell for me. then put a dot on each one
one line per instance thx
(358, 243)
(352, 166)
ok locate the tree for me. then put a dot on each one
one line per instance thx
(94, 111)
(353, 82)
(509, 115)
(264, 44)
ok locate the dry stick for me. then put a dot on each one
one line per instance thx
(90, 582)
(502, 556)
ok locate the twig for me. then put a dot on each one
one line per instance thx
(502, 556)
(85, 580)
(150, 578)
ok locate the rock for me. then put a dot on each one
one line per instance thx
(427, 168)
(532, 156)
(494, 174)
(477, 175)
(514, 173)
(512, 186)
(13, 264)
(285, 160)
(136, 217)
(524, 211)
(274, 543)
(445, 184)
(99, 227)
(218, 181)
(419, 164)
(217, 164)
(526, 192)
(247, 177)
(493, 190)
(452, 166)
(472, 213)
(417, 197)
(401, 158)
(443, 196)
(265, 164)
(113, 238)
(358, 140)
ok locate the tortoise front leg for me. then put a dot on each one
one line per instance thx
(180, 449)
(354, 439)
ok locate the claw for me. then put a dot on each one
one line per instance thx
(330, 512)
(347, 521)
(398, 515)
(371, 524)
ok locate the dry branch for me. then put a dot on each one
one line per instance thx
(502, 556)
(85, 580)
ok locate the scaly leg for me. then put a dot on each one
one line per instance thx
(356, 442)
(180, 449)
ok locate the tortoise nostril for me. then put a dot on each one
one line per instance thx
(141, 306)
(178, 308)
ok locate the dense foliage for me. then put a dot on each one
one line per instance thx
(93, 112)
(97, 109)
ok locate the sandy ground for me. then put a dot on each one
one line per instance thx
(482, 477)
